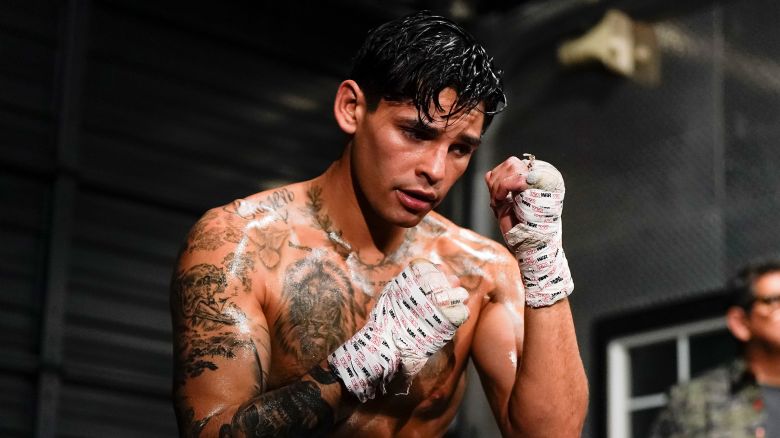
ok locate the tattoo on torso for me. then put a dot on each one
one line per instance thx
(325, 290)
(319, 310)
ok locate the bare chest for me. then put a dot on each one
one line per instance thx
(319, 295)
(320, 300)
(317, 301)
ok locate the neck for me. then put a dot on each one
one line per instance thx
(765, 365)
(355, 224)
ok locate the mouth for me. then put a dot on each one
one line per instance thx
(417, 201)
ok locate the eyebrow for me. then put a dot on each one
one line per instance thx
(416, 123)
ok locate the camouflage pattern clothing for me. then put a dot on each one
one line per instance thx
(723, 403)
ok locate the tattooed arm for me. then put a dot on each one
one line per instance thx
(222, 348)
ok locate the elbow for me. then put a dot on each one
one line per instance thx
(548, 419)
(545, 426)
(574, 412)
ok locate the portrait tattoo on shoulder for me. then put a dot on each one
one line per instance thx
(210, 233)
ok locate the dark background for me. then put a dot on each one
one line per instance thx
(122, 121)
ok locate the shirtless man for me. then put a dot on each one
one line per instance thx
(272, 289)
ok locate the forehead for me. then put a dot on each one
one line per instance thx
(767, 284)
(443, 119)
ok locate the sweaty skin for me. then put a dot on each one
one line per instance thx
(268, 286)
(259, 256)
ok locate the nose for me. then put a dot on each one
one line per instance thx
(434, 164)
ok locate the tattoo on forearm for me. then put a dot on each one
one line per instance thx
(193, 427)
(322, 375)
(296, 410)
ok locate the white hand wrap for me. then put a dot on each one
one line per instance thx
(537, 240)
(405, 327)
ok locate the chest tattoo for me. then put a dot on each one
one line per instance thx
(318, 310)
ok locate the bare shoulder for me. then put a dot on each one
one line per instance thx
(218, 303)
(481, 263)
(261, 218)
(241, 241)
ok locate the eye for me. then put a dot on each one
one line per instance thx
(416, 134)
(461, 150)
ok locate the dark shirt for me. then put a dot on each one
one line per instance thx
(771, 396)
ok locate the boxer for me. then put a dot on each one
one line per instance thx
(345, 306)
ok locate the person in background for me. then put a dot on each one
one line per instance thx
(741, 399)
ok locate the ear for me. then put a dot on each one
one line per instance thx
(349, 106)
(737, 321)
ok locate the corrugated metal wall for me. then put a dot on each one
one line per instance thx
(122, 122)
(28, 125)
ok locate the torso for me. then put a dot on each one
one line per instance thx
(316, 293)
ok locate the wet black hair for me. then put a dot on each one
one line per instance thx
(413, 58)
(741, 285)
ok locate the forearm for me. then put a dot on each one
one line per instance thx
(550, 395)
(310, 406)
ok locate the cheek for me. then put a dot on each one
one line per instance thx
(455, 170)
(378, 152)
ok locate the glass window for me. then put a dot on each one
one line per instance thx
(642, 421)
(643, 366)
(710, 349)
(653, 367)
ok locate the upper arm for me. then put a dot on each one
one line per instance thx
(222, 346)
(498, 337)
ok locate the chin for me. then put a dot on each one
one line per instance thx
(410, 224)
(409, 220)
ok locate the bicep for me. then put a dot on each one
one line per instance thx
(497, 345)
(222, 346)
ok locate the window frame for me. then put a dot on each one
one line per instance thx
(644, 318)
(619, 400)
